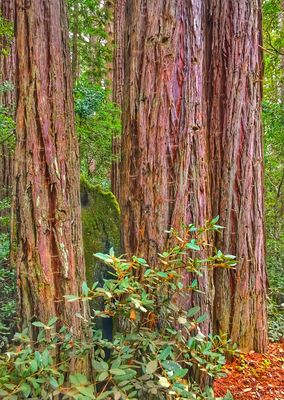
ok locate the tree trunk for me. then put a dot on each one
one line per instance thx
(118, 78)
(163, 180)
(49, 255)
(236, 167)
(7, 99)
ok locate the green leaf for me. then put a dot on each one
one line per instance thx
(53, 382)
(116, 363)
(141, 260)
(33, 366)
(151, 367)
(10, 386)
(85, 289)
(100, 366)
(45, 358)
(165, 353)
(25, 389)
(70, 298)
(202, 318)
(192, 311)
(86, 391)
(78, 379)
(192, 245)
(104, 257)
(38, 324)
(117, 371)
(52, 321)
(162, 274)
(214, 220)
(102, 376)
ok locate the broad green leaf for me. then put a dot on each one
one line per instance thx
(192, 245)
(25, 389)
(52, 321)
(38, 324)
(202, 318)
(117, 371)
(85, 289)
(192, 311)
(102, 376)
(53, 382)
(104, 257)
(78, 379)
(87, 391)
(165, 353)
(214, 220)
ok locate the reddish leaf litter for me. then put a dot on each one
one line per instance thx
(254, 376)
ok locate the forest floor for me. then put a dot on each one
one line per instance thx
(254, 376)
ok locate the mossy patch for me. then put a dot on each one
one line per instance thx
(101, 227)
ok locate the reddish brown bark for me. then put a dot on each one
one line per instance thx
(236, 167)
(192, 83)
(163, 180)
(118, 78)
(7, 99)
(49, 255)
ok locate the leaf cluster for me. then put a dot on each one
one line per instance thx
(157, 347)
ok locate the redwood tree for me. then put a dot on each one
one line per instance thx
(192, 143)
(7, 98)
(236, 166)
(163, 180)
(49, 254)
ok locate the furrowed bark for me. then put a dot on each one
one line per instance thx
(49, 257)
(163, 180)
(236, 167)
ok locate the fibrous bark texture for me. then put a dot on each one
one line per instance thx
(192, 144)
(163, 180)
(236, 167)
(49, 255)
(7, 98)
(117, 88)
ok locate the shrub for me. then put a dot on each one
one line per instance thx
(157, 354)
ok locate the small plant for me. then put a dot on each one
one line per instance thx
(158, 349)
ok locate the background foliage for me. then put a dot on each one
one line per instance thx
(273, 118)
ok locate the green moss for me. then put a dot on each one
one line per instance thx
(101, 227)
